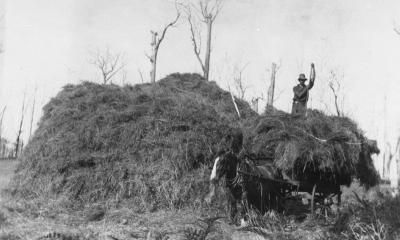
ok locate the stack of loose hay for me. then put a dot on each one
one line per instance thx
(147, 144)
(327, 150)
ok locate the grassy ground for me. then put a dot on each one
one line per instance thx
(6, 170)
(31, 220)
(185, 224)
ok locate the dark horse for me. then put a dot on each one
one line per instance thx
(245, 183)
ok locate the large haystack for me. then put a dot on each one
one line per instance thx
(149, 144)
(322, 149)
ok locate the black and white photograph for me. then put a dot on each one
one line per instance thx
(199, 119)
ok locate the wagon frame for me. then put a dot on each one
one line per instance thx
(319, 193)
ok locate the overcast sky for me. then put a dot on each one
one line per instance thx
(47, 43)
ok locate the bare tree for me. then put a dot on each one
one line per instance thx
(108, 63)
(32, 113)
(1, 123)
(238, 80)
(254, 103)
(141, 75)
(206, 11)
(271, 88)
(155, 45)
(387, 158)
(335, 85)
(124, 77)
(19, 141)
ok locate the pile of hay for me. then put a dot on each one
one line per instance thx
(327, 150)
(148, 144)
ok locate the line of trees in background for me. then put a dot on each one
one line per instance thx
(200, 17)
(10, 149)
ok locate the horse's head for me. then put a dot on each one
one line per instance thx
(226, 161)
(224, 165)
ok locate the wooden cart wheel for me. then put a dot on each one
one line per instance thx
(313, 199)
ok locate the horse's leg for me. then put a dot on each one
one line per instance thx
(232, 206)
(245, 202)
(209, 197)
(244, 209)
(313, 200)
(245, 196)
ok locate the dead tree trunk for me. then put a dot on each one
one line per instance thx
(238, 81)
(334, 84)
(32, 114)
(335, 98)
(1, 124)
(254, 104)
(207, 12)
(141, 75)
(153, 58)
(18, 141)
(271, 89)
(155, 45)
(337, 106)
(208, 47)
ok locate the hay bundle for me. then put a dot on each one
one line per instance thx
(148, 144)
(320, 149)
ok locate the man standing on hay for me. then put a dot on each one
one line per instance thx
(301, 93)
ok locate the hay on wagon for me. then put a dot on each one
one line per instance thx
(150, 145)
(322, 149)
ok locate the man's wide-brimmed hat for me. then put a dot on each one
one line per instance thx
(302, 77)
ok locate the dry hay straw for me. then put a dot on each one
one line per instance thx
(327, 150)
(149, 145)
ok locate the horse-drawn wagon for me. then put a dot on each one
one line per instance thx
(284, 157)
(259, 184)
(318, 195)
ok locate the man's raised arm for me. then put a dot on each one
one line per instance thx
(312, 76)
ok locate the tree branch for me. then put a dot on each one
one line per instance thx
(336, 98)
(166, 28)
(238, 80)
(147, 55)
(113, 72)
(196, 48)
(216, 9)
(109, 64)
(141, 75)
